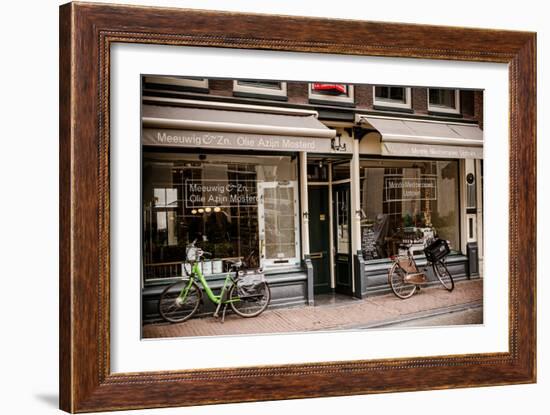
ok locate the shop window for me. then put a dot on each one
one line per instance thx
(252, 87)
(340, 171)
(331, 93)
(407, 202)
(173, 82)
(164, 206)
(317, 170)
(342, 221)
(233, 205)
(444, 100)
(392, 96)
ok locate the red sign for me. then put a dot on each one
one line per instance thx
(342, 88)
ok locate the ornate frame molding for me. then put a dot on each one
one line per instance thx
(86, 33)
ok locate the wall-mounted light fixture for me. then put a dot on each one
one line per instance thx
(336, 143)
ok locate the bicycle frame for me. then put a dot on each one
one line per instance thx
(196, 274)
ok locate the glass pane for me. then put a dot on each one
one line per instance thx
(407, 202)
(341, 171)
(317, 170)
(390, 93)
(280, 234)
(212, 199)
(261, 84)
(382, 92)
(171, 197)
(442, 97)
(342, 221)
(397, 94)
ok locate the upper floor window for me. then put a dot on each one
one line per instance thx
(444, 100)
(392, 96)
(334, 93)
(173, 82)
(273, 89)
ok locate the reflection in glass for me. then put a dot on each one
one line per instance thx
(280, 222)
(442, 97)
(215, 200)
(342, 204)
(407, 202)
(390, 93)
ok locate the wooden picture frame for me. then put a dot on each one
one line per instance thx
(86, 33)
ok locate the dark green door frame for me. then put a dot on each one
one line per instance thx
(341, 200)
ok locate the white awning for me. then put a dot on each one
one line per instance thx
(233, 127)
(423, 138)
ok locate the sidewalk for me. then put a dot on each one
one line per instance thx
(379, 311)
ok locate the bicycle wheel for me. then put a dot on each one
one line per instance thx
(250, 303)
(176, 307)
(396, 279)
(443, 275)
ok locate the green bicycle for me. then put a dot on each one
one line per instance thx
(248, 295)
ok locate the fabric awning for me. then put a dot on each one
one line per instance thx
(419, 138)
(231, 126)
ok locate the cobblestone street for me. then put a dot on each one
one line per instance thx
(431, 306)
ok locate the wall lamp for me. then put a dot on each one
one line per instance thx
(336, 143)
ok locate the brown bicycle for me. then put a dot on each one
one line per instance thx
(405, 278)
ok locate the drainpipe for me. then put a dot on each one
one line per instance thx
(304, 213)
(355, 206)
(304, 218)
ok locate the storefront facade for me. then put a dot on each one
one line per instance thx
(319, 194)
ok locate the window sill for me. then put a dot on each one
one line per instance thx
(445, 114)
(388, 108)
(318, 101)
(386, 263)
(260, 96)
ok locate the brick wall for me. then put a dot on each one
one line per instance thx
(363, 96)
(420, 100)
(221, 87)
(478, 107)
(297, 92)
(471, 102)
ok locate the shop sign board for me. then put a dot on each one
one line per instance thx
(233, 141)
(400, 189)
(204, 193)
(431, 150)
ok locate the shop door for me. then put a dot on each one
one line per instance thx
(319, 237)
(342, 238)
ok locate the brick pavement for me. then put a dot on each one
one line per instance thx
(340, 315)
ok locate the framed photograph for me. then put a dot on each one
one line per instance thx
(253, 208)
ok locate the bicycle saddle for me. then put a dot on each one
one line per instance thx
(236, 264)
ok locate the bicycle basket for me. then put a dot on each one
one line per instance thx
(191, 253)
(250, 283)
(437, 250)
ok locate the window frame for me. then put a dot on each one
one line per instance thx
(337, 99)
(444, 108)
(391, 103)
(457, 247)
(259, 90)
(294, 261)
(199, 83)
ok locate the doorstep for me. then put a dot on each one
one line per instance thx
(378, 311)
